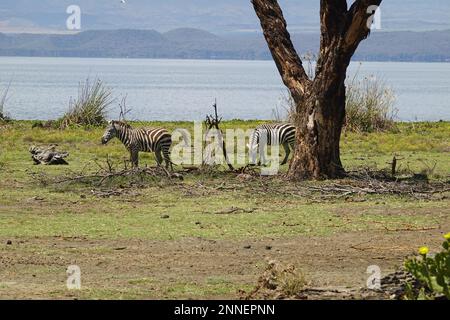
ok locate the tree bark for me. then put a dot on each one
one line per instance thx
(320, 103)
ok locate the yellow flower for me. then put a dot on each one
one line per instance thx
(423, 251)
(447, 236)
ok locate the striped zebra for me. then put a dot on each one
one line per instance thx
(272, 134)
(141, 140)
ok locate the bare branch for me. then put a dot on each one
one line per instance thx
(124, 110)
(358, 23)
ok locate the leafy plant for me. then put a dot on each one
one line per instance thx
(3, 100)
(433, 272)
(90, 107)
(279, 281)
(369, 105)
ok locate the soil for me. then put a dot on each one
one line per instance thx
(335, 266)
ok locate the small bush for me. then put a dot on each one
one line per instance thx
(278, 281)
(433, 273)
(50, 124)
(3, 100)
(91, 106)
(2, 163)
(369, 106)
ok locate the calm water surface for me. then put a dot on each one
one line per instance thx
(184, 89)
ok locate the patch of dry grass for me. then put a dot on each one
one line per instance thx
(91, 106)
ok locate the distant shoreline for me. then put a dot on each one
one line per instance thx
(197, 44)
(203, 59)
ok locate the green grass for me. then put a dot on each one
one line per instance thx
(192, 218)
(147, 289)
(63, 212)
(29, 209)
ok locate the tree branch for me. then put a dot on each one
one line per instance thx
(333, 17)
(357, 28)
(280, 44)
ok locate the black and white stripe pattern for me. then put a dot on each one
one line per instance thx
(141, 140)
(273, 134)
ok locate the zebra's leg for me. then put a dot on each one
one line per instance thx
(166, 154)
(287, 150)
(159, 158)
(262, 155)
(134, 158)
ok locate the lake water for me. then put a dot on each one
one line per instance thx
(185, 90)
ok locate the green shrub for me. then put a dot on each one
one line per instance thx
(90, 107)
(279, 281)
(433, 273)
(369, 106)
(3, 100)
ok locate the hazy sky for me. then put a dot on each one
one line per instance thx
(219, 16)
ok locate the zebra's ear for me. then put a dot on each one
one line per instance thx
(111, 122)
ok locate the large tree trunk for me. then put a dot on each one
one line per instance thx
(320, 102)
(317, 153)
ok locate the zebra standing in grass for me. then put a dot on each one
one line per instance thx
(141, 140)
(272, 134)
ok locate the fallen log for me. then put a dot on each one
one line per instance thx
(48, 155)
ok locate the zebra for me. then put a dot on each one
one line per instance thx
(155, 140)
(272, 134)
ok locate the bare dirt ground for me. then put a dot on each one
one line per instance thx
(35, 268)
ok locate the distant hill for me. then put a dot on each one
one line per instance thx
(406, 46)
(188, 43)
(183, 34)
(218, 16)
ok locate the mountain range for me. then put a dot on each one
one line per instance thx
(189, 43)
(217, 16)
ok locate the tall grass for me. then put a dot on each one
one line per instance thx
(369, 106)
(3, 99)
(91, 106)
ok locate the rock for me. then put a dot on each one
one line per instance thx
(165, 216)
(395, 283)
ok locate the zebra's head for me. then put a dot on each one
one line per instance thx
(252, 147)
(110, 132)
(253, 142)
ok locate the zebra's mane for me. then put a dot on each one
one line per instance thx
(121, 124)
